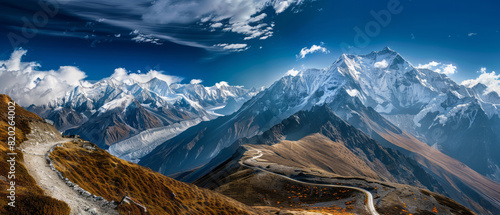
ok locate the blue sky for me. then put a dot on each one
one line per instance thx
(247, 42)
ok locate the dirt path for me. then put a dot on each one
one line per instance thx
(34, 159)
(369, 203)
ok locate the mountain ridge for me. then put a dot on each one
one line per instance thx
(328, 124)
(342, 93)
(124, 108)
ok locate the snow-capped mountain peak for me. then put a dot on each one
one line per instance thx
(422, 102)
(126, 104)
(119, 103)
(160, 87)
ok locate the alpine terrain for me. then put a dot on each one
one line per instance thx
(115, 109)
(421, 113)
(60, 175)
(313, 151)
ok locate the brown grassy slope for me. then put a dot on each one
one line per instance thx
(319, 152)
(30, 198)
(265, 189)
(259, 188)
(105, 175)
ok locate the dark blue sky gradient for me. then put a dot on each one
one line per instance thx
(440, 30)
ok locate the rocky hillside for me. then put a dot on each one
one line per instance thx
(29, 197)
(102, 174)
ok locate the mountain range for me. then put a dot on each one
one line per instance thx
(121, 187)
(318, 148)
(401, 106)
(111, 110)
(442, 135)
(75, 176)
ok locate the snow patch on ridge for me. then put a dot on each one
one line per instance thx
(352, 92)
(381, 64)
(123, 102)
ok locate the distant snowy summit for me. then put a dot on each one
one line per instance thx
(379, 89)
(461, 120)
(115, 108)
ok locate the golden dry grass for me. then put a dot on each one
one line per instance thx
(268, 191)
(317, 152)
(105, 175)
(30, 198)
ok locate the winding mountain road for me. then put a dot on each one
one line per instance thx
(369, 203)
(49, 181)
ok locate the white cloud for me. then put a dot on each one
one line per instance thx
(429, 65)
(261, 30)
(237, 47)
(143, 38)
(381, 64)
(471, 34)
(292, 72)
(177, 21)
(26, 84)
(216, 25)
(489, 79)
(314, 48)
(221, 84)
(238, 14)
(122, 74)
(280, 6)
(196, 81)
(189, 11)
(265, 37)
(257, 18)
(447, 69)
